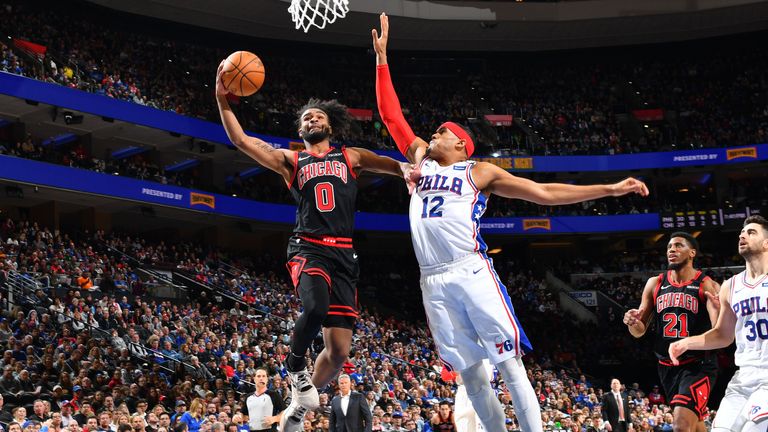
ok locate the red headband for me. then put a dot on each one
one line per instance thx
(459, 131)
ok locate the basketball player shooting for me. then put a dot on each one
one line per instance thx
(321, 260)
(743, 317)
(682, 302)
(470, 313)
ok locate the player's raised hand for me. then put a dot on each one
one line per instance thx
(629, 185)
(676, 349)
(380, 42)
(221, 90)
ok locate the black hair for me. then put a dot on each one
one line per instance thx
(692, 242)
(444, 403)
(338, 114)
(758, 220)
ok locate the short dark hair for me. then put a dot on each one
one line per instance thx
(692, 242)
(758, 220)
(338, 114)
(445, 403)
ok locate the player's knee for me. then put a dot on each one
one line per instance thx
(337, 357)
(681, 424)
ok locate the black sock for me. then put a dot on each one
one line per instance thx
(315, 300)
(295, 363)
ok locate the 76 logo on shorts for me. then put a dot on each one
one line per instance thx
(505, 346)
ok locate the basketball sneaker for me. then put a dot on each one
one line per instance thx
(303, 391)
(293, 418)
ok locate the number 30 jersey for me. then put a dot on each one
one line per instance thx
(325, 189)
(445, 213)
(750, 304)
(680, 311)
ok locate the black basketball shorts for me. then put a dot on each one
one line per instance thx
(336, 262)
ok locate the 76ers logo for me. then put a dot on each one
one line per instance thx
(504, 346)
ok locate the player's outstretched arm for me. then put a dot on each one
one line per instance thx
(389, 105)
(637, 319)
(278, 160)
(365, 160)
(492, 179)
(721, 335)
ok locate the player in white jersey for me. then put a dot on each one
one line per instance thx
(469, 311)
(744, 317)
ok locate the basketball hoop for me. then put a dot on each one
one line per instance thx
(318, 13)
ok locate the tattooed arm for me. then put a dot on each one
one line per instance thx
(277, 160)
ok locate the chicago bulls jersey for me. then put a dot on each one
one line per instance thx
(749, 302)
(325, 189)
(445, 213)
(680, 311)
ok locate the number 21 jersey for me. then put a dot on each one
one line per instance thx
(680, 311)
(325, 189)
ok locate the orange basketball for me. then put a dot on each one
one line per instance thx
(243, 73)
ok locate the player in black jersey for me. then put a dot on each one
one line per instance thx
(322, 263)
(683, 303)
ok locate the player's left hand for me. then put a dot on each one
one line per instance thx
(676, 349)
(632, 317)
(380, 42)
(714, 298)
(411, 174)
(221, 90)
(629, 185)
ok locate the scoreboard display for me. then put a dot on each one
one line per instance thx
(702, 219)
(692, 219)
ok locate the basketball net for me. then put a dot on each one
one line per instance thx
(318, 13)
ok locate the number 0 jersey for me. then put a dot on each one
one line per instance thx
(680, 311)
(749, 302)
(325, 189)
(445, 213)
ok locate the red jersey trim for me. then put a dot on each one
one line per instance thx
(682, 284)
(321, 154)
(702, 297)
(339, 242)
(342, 307)
(656, 290)
(749, 285)
(682, 362)
(346, 158)
(354, 315)
(295, 169)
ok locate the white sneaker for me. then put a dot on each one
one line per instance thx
(303, 391)
(293, 418)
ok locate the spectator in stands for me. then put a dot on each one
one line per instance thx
(195, 417)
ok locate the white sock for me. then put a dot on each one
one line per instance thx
(527, 408)
(484, 401)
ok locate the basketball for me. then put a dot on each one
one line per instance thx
(243, 73)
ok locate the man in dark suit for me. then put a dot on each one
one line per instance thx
(616, 407)
(349, 411)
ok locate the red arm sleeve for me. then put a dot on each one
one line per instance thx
(391, 113)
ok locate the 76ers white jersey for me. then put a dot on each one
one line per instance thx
(750, 304)
(445, 213)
